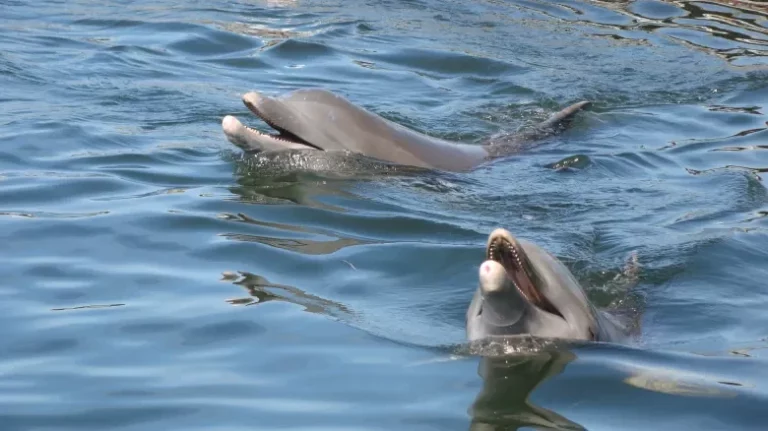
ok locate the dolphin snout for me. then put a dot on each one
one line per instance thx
(252, 99)
(501, 233)
(493, 277)
(231, 125)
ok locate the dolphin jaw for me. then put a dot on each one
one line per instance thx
(251, 139)
(236, 132)
(506, 251)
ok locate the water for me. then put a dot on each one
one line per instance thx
(153, 279)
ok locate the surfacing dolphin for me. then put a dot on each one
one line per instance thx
(320, 120)
(524, 290)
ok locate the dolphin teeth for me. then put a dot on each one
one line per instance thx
(280, 137)
(511, 248)
(282, 134)
(492, 249)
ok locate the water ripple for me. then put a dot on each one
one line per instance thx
(132, 228)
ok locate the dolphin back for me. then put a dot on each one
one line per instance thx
(333, 123)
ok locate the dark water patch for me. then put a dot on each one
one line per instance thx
(60, 42)
(444, 63)
(143, 176)
(210, 42)
(58, 271)
(105, 23)
(657, 10)
(115, 159)
(149, 327)
(25, 192)
(41, 347)
(220, 332)
(139, 51)
(129, 67)
(297, 49)
(139, 242)
(635, 161)
(95, 418)
(13, 69)
(48, 138)
(248, 62)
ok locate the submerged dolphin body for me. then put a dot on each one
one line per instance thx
(321, 120)
(525, 290)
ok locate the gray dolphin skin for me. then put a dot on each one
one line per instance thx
(523, 289)
(321, 120)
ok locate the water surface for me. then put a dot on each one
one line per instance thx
(154, 279)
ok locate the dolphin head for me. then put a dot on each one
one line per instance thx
(303, 119)
(525, 290)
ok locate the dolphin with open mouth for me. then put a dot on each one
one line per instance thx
(524, 290)
(316, 119)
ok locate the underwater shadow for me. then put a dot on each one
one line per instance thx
(512, 368)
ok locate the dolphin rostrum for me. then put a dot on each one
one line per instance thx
(320, 120)
(524, 290)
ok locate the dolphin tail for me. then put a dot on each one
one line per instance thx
(555, 124)
(560, 121)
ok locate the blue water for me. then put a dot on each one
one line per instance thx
(154, 279)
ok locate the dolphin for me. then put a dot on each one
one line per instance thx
(524, 290)
(318, 119)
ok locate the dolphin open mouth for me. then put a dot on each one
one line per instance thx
(251, 101)
(506, 251)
